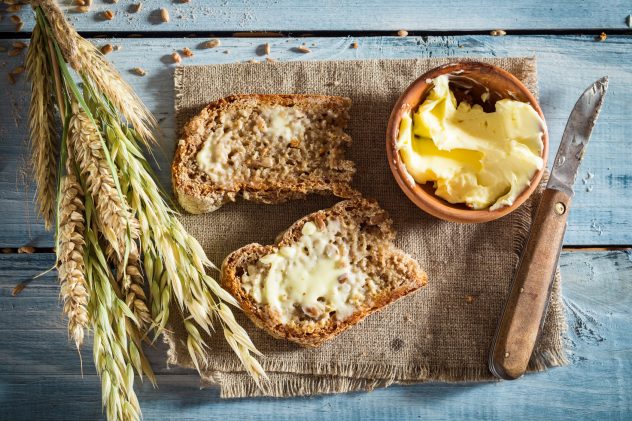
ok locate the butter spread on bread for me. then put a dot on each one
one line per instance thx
(327, 272)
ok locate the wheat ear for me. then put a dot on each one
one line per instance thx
(65, 35)
(42, 127)
(114, 217)
(70, 257)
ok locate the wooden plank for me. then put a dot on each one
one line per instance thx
(43, 382)
(370, 15)
(602, 209)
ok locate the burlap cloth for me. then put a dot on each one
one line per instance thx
(441, 333)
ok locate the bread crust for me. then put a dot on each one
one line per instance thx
(411, 273)
(200, 197)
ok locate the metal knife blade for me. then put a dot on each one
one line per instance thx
(576, 136)
(523, 313)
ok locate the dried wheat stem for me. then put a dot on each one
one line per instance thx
(109, 82)
(42, 127)
(65, 35)
(70, 257)
(114, 217)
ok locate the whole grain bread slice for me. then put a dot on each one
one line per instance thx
(366, 231)
(266, 148)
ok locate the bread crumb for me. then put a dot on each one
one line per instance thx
(402, 33)
(498, 33)
(212, 43)
(139, 71)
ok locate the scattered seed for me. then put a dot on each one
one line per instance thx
(303, 49)
(17, 70)
(14, 8)
(602, 36)
(402, 33)
(176, 57)
(19, 44)
(19, 27)
(15, 19)
(266, 49)
(108, 15)
(187, 52)
(212, 43)
(139, 71)
(14, 52)
(18, 288)
(164, 15)
(498, 33)
(136, 7)
(26, 250)
(107, 49)
(354, 45)
(82, 9)
(80, 3)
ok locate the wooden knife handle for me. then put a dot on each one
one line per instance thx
(525, 308)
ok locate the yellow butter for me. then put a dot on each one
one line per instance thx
(307, 275)
(484, 160)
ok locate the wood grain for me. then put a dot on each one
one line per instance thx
(370, 15)
(40, 377)
(602, 208)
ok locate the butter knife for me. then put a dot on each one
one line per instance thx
(525, 309)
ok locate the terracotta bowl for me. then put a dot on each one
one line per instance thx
(468, 80)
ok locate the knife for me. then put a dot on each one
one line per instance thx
(525, 309)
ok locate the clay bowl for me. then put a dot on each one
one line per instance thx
(468, 80)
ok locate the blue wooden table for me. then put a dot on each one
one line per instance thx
(40, 375)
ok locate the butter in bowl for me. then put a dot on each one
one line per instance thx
(467, 142)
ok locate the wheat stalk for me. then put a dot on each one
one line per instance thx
(42, 127)
(175, 263)
(70, 257)
(115, 220)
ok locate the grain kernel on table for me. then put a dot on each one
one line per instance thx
(603, 36)
(402, 33)
(108, 15)
(354, 45)
(176, 57)
(82, 9)
(107, 49)
(498, 33)
(212, 43)
(139, 71)
(187, 52)
(303, 49)
(164, 15)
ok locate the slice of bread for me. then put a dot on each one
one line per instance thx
(266, 148)
(328, 271)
